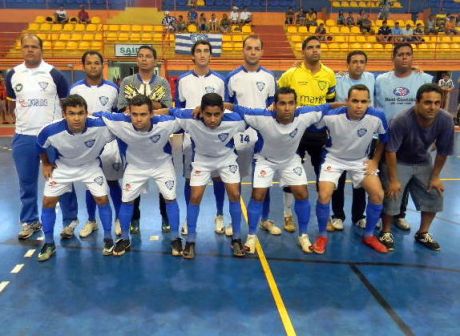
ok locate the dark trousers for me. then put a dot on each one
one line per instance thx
(359, 201)
(137, 210)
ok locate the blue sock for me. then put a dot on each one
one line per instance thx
(235, 213)
(125, 215)
(48, 220)
(302, 209)
(172, 209)
(219, 194)
(193, 210)
(322, 214)
(105, 214)
(90, 206)
(115, 195)
(373, 212)
(254, 212)
(266, 208)
(187, 191)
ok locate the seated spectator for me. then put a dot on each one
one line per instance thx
(350, 20)
(234, 15)
(366, 25)
(213, 23)
(83, 16)
(341, 19)
(300, 18)
(225, 24)
(360, 17)
(203, 23)
(451, 25)
(61, 15)
(310, 18)
(385, 9)
(408, 33)
(418, 33)
(169, 23)
(181, 25)
(245, 16)
(397, 33)
(321, 33)
(191, 3)
(441, 18)
(289, 16)
(384, 33)
(430, 26)
(192, 16)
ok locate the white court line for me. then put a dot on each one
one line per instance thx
(40, 238)
(154, 238)
(3, 285)
(17, 268)
(29, 253)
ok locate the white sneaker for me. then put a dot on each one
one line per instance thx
(89, 228)
(402, 224)
(67, 231)
(117, 227)
(229, 230)
(269, 226)
(184, 229)
(219, 224)
(304, 242)
(337, 224)
(250, 245)
(361, 223)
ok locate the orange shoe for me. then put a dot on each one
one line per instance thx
(374, 243)
(320, 245)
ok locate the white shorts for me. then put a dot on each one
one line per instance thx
(187, 152)
(62, 178)
(332, 168)
(244, 145)
(291, 173)
(227, 169)
(135, 181)
(112, 164)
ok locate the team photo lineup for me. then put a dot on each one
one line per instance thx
(247, 124)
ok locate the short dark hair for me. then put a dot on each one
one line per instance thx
(354, 53)
(359, 87)
(401, 45)
(201, 42)
(72, 101)
(425, 88)
(284, 90)
(40, 41)
(253, 37)
(154, 52)
(140, 100)
(308, 39)
(211, 99)
(91, 53)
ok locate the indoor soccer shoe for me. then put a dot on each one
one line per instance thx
(117, 227)
(108, 247)
(121, 247)
(305, 244)
(427, 240)
(375, 244)
(289, 224)
(229, 231)
(28, 229)
(387, 239)
(238, 248)
(402, 224)
(89, 228)
(46, 252)
(219, 225)
(176, 247)
(320, 245)
(269, 226)
(189, 250)
(250, 245)
(334, 224)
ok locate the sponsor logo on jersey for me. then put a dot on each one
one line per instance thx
(401, 91)
(223, 136)
(263, 173)
(43, 85)
(260, 86)
(127, 187)
(293, 133)
(322, 85)
(155, 138)
(197, 173)
(18, 87)
(103, 100)
(361, 132)
(99, 180)
(52, 183)
(169, 184)
(209, 89)
(328, 168)
(33, 102)
(297, 171)
(116, 166)
(233, 168)
(90, 143)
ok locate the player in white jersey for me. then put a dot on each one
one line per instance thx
(395, 91)
(79, 140)
(279, 135)
(191, 86)
(356, 62)
(212, 138)
(144, 141)
(251, 85)
(101, 96)
(33, 91)
(351, 131)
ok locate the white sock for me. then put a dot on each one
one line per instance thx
(288, 200)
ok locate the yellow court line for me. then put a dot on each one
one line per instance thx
(286, 320)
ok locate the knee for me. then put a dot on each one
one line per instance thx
(234, 196)
(195, 200)
(324, 196)
(377, 197)
(301, 194)
(49, 202)
(101, 200)
(258, 196)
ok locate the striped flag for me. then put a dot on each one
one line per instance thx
(184, 42)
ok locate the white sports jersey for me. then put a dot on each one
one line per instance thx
(255, 89)
(75, 149)
(394, 94)
(344, 83)
(276, 142)
(143, 149)
(351, 139)
(210, 143)
(36, 92)
(100, 98)
(191, 88)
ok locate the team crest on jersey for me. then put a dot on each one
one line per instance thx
(99, 180)
(209, 89)
(127, 187)
(293, 133)
(361, 132)
(155, 138)
(43, 85)
(116, 166)
(233, 168)
(263, 173)
(401, 91)
(103, 100)
(169, 184)
(322, 85)
(260, 86)
(223, 136)
(297, 171)
(90, 143)
(52, 183)
(18, 87)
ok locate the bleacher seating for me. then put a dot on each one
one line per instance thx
(68, 4)
(353, 4)
(224, 5)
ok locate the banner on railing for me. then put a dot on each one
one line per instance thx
(184, 42)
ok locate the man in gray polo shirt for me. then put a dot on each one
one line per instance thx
(408, 162)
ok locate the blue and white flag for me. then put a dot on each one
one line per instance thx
(184, 42)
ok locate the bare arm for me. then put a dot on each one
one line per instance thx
(395, 186)
(47, 166)
(372, 165)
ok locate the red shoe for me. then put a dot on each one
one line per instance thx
(319, 247)
(373, 242)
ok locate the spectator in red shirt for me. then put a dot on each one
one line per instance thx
(83, 16)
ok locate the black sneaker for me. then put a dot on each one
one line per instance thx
(46, 252)
(108, 247)
(238, 248)
(387, 239)
(427, 240)
(165, 227)
(189, 250)
(134, 227)
(176, 247)
(121, 247)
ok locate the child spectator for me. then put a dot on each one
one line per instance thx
(213, 23)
